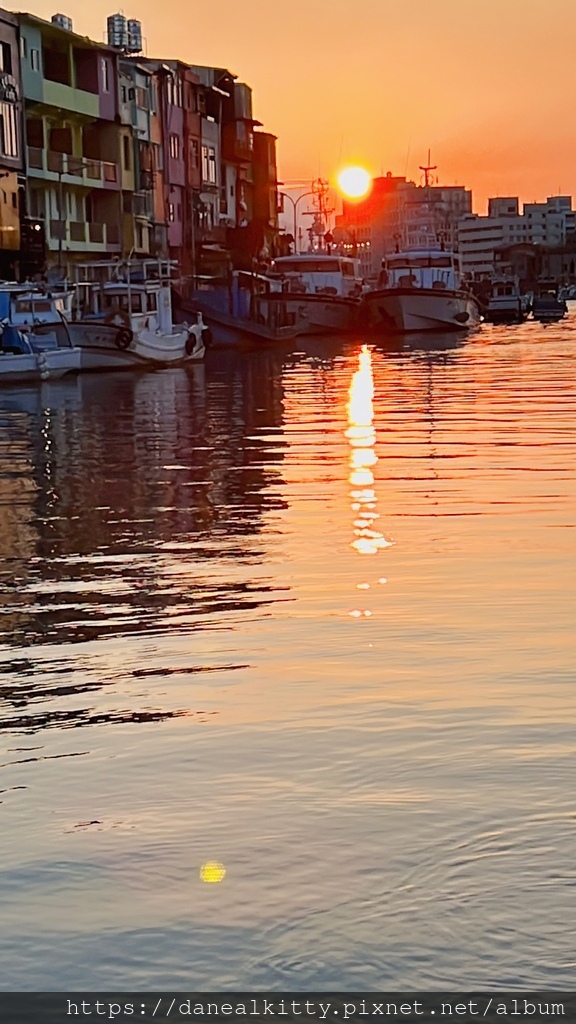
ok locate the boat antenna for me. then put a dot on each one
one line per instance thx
(427, 169)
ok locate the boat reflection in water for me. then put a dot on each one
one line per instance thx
(132, 514)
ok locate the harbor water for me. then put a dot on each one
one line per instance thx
(287, 692)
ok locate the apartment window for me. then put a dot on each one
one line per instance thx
(194, 152)
(174, 91)
(171, 213)
(209, 164)
(174, 147)
(35, 60)
(105, 75)
(8, 130)
(6, 58)
(23, 47)
(127, 159)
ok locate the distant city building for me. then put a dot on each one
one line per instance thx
(479, 237)
(397, 213)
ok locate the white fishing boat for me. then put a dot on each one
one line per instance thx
(507, 303)
(123, 318)
(321, 292)
(42, 353)
(420, 290)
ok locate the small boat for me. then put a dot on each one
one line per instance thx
(243, 308)
(420, 290)
(547, 304)
(506, 304)
(42, 353)
(123, 318)
(320, 290)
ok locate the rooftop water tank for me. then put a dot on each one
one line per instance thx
(63, 21)
(117, 31)
(134, 36)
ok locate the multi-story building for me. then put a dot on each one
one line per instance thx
(399, 214)
(136, 105)
(11, 148)
(73, 139)
(543, 224)
(265, 217)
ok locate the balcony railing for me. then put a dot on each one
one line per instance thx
(81, 168)
(71, 232)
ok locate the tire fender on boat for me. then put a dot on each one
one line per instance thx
(124, 338)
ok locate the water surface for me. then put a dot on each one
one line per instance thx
(309, 615)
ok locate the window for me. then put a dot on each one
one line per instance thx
(23, 47)
(8, 130)
(126, 145)
(35, 60)
(194, 152)
(105, 75)
(174, 91)
(171, 213)
(6, 58)
(209, 164)
(174, 147)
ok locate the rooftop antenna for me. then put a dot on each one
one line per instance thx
(427, 169)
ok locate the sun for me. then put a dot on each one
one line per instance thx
(354, 182)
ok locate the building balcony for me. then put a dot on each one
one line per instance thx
(79, 236)
(78, 170)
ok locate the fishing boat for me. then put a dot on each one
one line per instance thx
(322, 291)
(122, 318)
(547, 304)
(507, 303)
(420, 290)
(244, 308)
(45, 353)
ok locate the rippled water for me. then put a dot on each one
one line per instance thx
(310, 616)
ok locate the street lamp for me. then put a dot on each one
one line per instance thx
(295, 207)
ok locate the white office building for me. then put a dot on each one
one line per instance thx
(539, 223)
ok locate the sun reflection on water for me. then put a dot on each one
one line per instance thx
(362, 437)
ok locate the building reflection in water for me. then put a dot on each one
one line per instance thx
(141, 509)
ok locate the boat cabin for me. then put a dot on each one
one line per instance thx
(421, 268)
(25, 306)
(140, 306)
(320, 275)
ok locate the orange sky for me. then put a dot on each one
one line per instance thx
(488, 85)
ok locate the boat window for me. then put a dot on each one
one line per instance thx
(308, 267)
(122, 302)
(36, 306)
(418, 262)
(348, 269)
(151, 302)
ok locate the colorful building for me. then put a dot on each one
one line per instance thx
(11, 146)
(70, 86)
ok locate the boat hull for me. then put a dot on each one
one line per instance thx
(34, 367)
(507, 310)
(229, 331)
(100, 351)
(419, 309)
(322, 314)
